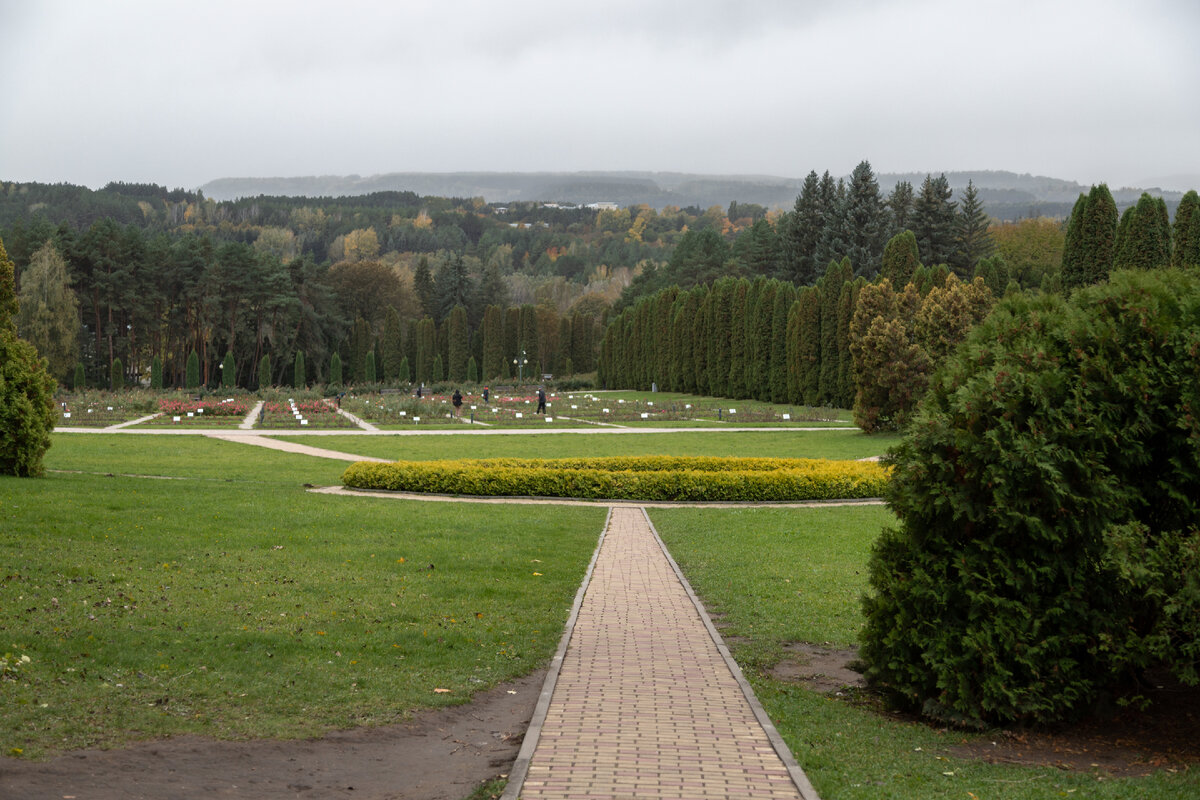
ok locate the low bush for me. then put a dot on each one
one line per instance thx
(1048, 551)
(635, 478)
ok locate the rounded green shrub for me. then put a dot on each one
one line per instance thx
(1048, 547)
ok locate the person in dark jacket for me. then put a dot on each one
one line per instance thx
(541, 409)
(456, 398)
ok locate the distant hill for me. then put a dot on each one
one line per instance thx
(1005, 195)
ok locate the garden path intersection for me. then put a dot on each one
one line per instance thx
(642, 699)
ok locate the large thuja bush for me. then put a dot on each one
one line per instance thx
(1048, 496)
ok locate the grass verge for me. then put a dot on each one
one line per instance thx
(772, 577)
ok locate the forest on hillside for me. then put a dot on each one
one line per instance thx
(437, 288)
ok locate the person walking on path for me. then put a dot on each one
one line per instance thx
(541, 409)
(456, 398)
(486, 394)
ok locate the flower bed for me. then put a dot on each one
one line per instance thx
(640, 478)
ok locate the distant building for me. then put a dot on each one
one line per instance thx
(603, 205)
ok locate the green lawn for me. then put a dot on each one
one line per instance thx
(777, 576)
(768, 442)
(230, 602)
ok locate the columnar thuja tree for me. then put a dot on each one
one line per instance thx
(26, 389)
(299, 379)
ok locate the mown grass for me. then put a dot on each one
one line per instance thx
(778, 576)
(231, 603)
(772, 443)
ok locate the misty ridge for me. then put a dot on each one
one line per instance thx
(1005, 195)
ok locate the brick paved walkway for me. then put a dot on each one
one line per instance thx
(646, 704)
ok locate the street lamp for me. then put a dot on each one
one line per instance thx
(520, 365)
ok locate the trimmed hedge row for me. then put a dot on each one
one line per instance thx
(637, 478)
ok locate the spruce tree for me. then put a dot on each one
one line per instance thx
(858, 228)
(49, 311)
(1183, 231)
(974, 240)
(424, 288)
(299, 379)
(27, 411)
(900, 207)
(934, 221)
(192, 374)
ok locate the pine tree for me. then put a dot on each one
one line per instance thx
(900, 258)
(974, 240)
(1183, 236)
(299, 379)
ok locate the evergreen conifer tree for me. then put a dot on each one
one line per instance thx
(80, 381)
(49, 311)
(858, 227)
(1073, 271)
(1097, 236)
(369, 373)
(934, 221)
(424, 288)
(228, 371)
(785, 295)
(392, 345)
(439, 370)
(192, 374)
(1147, 244)
(1183, 231)
(335, 370)
(900, 207)
(809, 345)
(458, 343)
(900, 258)
(299, 379)
(473, 370)
(116, 378)
(264, 372)
(974, 240)
(404, 372)
(801, 231)
(156, 374)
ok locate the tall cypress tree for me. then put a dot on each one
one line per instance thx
(900, 258)
(192, 379)
(785, 295)
(299, 379)
(1183, 231)
(809, 347)
(1097, 236)
(737, 339)
(264, 371)
(369, 368)
(392, 344)
(1146, 242)
(1073, 271)
(459, 343)
(228, 371)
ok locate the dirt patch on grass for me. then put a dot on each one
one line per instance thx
(442, 754)
(1124, 743)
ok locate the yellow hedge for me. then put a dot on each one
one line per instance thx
(635, 478)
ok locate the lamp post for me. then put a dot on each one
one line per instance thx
(520, 363)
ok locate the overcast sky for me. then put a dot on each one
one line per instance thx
(182, 93)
